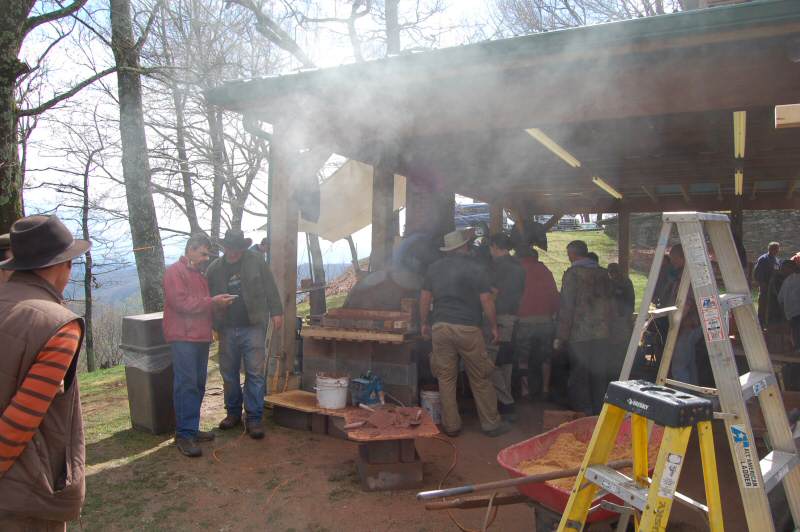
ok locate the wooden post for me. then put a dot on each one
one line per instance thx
(284, 225)
(737, 219)
(383, 226)
(624, 241)
(495, 218)
(428, 210)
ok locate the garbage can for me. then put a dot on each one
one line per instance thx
(148, 373)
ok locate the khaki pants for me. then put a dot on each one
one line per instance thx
(449, 342)
(10, 522)
(501, 376)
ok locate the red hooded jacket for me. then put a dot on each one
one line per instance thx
(187, 304)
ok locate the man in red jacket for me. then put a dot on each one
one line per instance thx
(538, 306)
(188, 311)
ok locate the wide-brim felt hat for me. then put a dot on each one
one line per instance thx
(42, 241)
(454, 240)
(234, 239)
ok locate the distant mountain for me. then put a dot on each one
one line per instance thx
(119, 287)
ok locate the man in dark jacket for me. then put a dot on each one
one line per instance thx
(623, 299)
(583, 328)
(42, 483)
(766, 266)
(243, 328)
(187, 328)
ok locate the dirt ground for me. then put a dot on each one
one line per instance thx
(290, 481)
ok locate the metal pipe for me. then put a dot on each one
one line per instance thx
(499, 484)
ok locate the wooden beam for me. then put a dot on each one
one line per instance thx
(754, 191)
(685, 194)
(382, 217)
(791, 190)
(283, 247)
(624, 241)
(495, 217)
(427, 209)
(553, 221)
(650, 194)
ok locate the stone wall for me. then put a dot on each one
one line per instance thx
(760, 228)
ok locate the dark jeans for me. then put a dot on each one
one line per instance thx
(763, 290)
(588, 375)
(248, 344)
(190, 367)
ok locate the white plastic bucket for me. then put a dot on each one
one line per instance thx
(332, 391)
(431, 402)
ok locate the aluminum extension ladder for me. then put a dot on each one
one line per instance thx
(756, 477)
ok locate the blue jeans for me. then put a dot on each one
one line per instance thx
(190, 367)
(684, 367)
(248, 344)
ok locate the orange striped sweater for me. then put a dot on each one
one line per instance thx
(23, 415)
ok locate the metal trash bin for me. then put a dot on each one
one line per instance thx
(148, 373)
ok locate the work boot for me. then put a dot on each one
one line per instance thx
(203, 436)
(188, 447)
(507, 412)
(452, 433)
(501, 429)
(230, 421)
(255, 429)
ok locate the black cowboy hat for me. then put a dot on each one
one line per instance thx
(234, 239)
(42, 241)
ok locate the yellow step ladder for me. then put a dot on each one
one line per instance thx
(678, 412)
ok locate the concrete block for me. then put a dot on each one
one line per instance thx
(319, 423)
(394, 353)
(336, 428)
(407, 394)
(292, 419)
(353, 367)
(380, 452)
(397, 476)
(314, 348)
(143, 331)
(408, 451)
(401, 374)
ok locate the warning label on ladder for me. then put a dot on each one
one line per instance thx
(745, 456)
(669, 477)
(712, 319)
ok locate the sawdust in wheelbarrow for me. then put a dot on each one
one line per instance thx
(567, 452)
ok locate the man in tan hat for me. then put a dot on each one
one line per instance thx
(5, 254)
(41, 431)
(459, 288)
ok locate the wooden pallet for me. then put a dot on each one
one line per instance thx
(353, 335)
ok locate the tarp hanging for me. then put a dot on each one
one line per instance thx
(346, 202)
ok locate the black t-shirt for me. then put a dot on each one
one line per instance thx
(236, 314)
(456, 282)
(508, 277)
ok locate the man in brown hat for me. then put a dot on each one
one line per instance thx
(459, 288)
(5, 254)
(243, 273)
(41, 432)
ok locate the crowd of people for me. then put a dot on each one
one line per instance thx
(779, 292)
(501, 311)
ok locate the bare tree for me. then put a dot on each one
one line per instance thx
(135, 162)
(18, 20)
(522, 17)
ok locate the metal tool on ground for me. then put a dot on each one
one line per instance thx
(678, 412)
(756, 478)
(511, 482)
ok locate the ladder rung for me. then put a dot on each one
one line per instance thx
(731, 301)
(754, 382)
(661, 312)
(777, 465)
(702, 390)
(618, 484)
(691, 216)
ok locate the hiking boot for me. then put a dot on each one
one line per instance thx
(203, 436)
(255, 429)
(452, 433)
(188, 447)
(507, 412)
(501, 429)
(230, 422)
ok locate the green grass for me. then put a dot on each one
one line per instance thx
(334, 301)
(599, 242)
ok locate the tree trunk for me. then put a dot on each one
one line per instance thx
(135, 165)
(318, 304)
(87, 274)
(353, 253)
(392, 28)
(10, 183)
(179, 100)
(214, 132)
